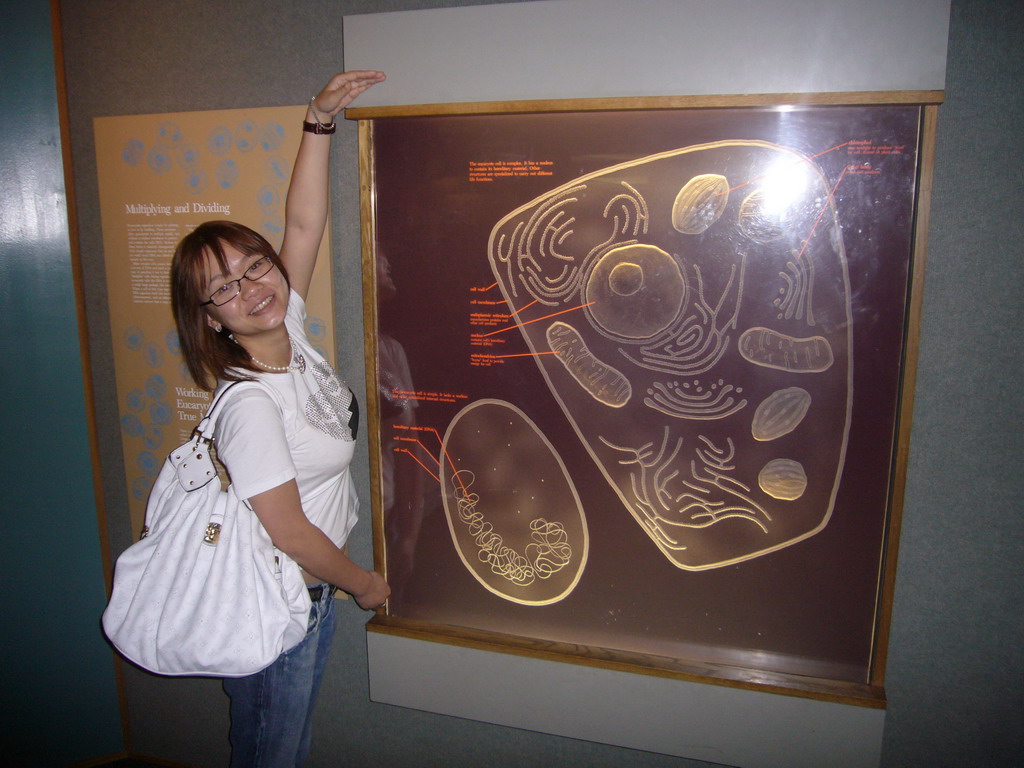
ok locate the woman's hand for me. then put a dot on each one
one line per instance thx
(375, 593)
(341, 91)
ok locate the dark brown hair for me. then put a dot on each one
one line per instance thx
(210, 355)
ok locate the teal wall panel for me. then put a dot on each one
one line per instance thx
(59, 696)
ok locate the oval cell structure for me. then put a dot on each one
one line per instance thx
(780, 413)
(783, 479)
(771, 349)
(513, 512)
(600, 380)
(700, 203)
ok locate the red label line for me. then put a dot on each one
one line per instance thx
(537, 320)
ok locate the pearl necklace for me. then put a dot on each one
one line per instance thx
(296, 363)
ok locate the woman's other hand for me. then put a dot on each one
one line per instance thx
(375, 593)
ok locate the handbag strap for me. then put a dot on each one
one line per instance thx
(206, 426)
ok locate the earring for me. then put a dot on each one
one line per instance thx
(217, 327)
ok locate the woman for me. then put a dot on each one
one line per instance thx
(240, 310)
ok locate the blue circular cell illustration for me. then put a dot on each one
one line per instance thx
(135, 400)
(154, 356)
(196, 180)
(188, 156)
(227, 173)
(172, 342)
(152, 437)
(273, 230)
(133, 152)
(273, 135)
(131, 425)
(268, 198)
(160, 159)
(316, 328)
(140, 488)
(169, 133)
(219, 141)
(247, 136)
(277, 170)
(160, 413)
(156, 386)
(133, 337)
(148, 463)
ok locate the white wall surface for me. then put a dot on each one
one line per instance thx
(563, 49)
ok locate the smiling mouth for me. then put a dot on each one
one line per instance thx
(262, 305)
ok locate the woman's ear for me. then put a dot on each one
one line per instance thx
(217, 327)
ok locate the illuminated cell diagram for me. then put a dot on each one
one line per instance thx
(690, 311)
(513, 512)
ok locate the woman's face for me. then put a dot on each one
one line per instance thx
(260, 305)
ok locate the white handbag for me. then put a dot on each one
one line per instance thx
(204, 592)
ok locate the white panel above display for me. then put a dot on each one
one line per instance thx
(568, 49)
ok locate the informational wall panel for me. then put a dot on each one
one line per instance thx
(639, 375)
(160, 176)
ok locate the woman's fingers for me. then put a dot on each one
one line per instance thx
(343, 89)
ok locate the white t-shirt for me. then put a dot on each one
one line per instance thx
(299, 432)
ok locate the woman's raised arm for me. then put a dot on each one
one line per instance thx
(307, 205)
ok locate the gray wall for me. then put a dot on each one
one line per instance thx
(955, 662)
(956, 666)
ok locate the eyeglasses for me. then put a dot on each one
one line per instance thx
(230, 289)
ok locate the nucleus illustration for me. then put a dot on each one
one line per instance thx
(690, 311)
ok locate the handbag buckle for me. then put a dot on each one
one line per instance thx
(193, 464)
(212, 534)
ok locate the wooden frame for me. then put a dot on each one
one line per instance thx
(397, 188)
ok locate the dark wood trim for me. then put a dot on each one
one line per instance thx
(915, 301)
(648, 102)
(368, 236)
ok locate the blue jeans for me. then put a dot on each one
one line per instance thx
(272, 710)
